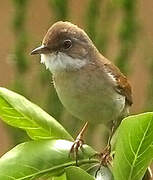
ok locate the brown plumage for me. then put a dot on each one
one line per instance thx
(90, 86)
(122, 85)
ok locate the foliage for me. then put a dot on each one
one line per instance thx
(34, 159)
(127, 34)
(50, 158)
(20, 33)
(134, 149)
(17, 111)
(149, 99)
(77, 173)
(60, 9)
(93, 12)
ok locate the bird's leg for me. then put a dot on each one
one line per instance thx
(108, 146)
(78, 143)
(104, 156)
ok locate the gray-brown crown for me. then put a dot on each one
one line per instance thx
(62, 31)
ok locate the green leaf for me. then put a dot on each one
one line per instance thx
(76, 173)
(42, 158)
(134, 148)
(19, 112)
(62, 177)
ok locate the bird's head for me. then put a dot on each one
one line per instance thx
(65, 46)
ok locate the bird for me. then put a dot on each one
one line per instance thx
(88, 85)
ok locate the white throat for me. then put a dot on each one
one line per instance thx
(60, 62)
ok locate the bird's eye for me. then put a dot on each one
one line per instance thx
(67, 44)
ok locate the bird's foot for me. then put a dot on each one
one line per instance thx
(104, 156)
(78, 144)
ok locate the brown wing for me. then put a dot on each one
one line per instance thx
(122, 85)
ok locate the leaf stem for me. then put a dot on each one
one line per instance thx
(72, 163)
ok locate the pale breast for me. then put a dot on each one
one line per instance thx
(88, 96)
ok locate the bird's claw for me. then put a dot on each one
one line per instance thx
(78, 143)
(106, 157)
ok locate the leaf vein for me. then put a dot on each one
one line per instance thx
(138, 149)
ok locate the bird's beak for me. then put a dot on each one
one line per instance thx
(40, 50)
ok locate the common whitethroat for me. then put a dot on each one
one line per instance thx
(89, 86)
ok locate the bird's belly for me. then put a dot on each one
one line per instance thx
(90, 101)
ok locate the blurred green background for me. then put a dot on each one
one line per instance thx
(121, 29)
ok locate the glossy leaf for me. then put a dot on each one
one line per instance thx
(19, 112)
(62, 177)
(134, 148)
(43, 158)
(76, 173)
